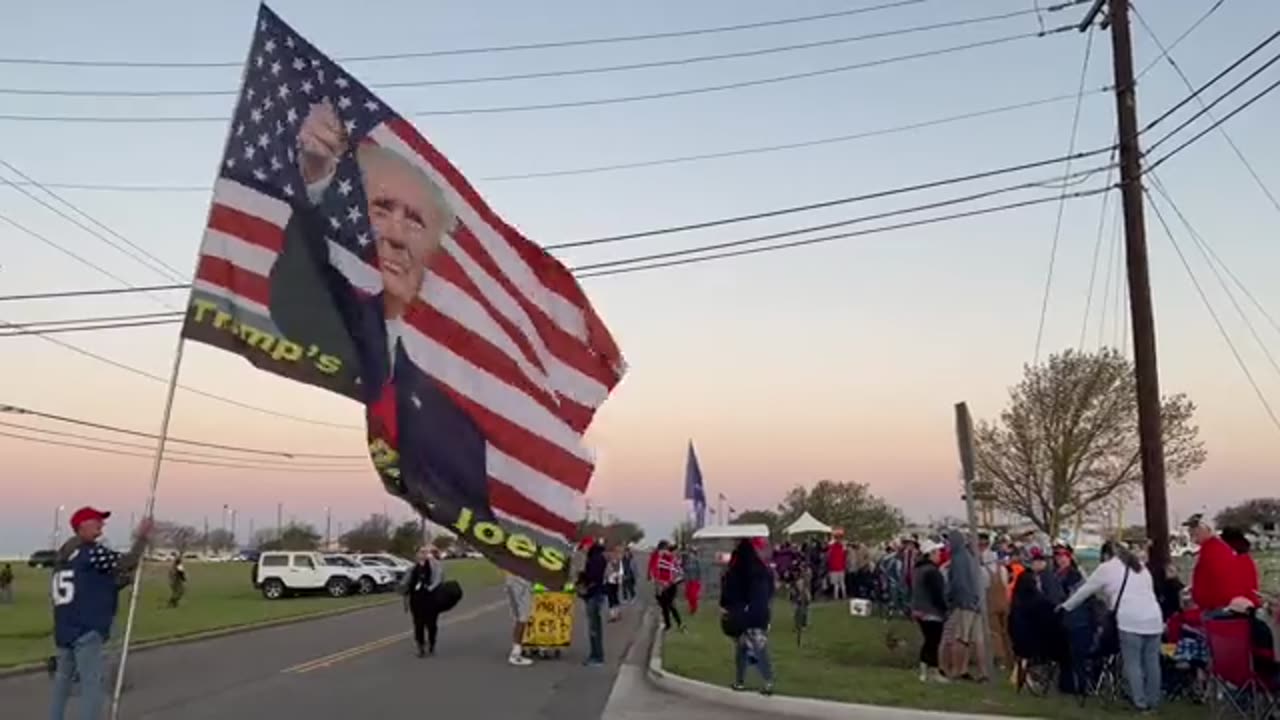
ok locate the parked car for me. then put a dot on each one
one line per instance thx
(278, 574)
(398, 566)
(369, 577)
(43, 559)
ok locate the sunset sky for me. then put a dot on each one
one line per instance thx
(840, 360)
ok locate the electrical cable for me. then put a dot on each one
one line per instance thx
(1164, 52)
(545, 74)
(1204, 298)
(657, 162)
(1097, 252)
(196, 391)
(1220, 121)
(840, 236)
(114, 325)
(18, 410)
(172, 453)
(1244, 160)
(1062, 204)
(182, 461)
(1212, 81)
(596, 102)
(103, 63)
(790, 210)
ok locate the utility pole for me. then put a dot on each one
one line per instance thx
(328, 518)
(279, 520)
(1146, 369)
(964, 437)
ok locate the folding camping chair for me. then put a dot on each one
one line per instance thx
(1237, 690)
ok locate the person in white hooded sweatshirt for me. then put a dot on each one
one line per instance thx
(1127, 588)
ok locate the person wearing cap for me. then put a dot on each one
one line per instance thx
(929, 608)
(1217, 578)
(87, 579)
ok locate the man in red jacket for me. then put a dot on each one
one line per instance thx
(1217, 578)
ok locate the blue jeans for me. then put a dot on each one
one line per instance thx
(744, 651)
(86, 658)
(595, 627)
(1141, 657)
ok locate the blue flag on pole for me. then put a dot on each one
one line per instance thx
(693, 489)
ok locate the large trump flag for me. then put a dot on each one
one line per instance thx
(344, 251)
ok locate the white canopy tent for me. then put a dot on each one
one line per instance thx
(731, 532)
(807, 523)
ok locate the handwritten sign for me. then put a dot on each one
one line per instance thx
(551, 624)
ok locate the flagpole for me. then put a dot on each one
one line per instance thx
(163, 435)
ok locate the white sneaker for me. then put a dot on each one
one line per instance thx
(519, 660)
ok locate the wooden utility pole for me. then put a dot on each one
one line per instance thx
(964, 437)
(1150, 435)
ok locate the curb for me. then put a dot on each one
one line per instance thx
(200, 635)
(785, 706)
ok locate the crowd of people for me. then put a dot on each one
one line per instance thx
(1043, 610)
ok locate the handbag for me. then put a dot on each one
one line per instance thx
(731, 624)
(1109, 642)
(447, 595)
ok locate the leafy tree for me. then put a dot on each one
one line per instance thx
(172, 535)
(373, 535)
(1262, 513)
(1068, 439)
(618, 532)
(406, 539)
(849, 505)
(219, 540)
(296, 536)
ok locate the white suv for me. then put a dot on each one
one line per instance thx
(368, 577)
(281, 573)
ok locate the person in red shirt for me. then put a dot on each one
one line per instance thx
(1248, 569)
(837, 563)
(1219, 575)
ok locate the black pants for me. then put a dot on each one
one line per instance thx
(611, 593)
(932, 632)
(667, 601)
(425, 617)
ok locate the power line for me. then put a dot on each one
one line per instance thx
(1220, 121)
(182, 461)
(607, 40)
(1062, 204)
(596, 102)
(545, 74)
(196, 391)
(164, 269)
(127, 290)
(1097, 251)
(18, 410)
(657, 162)
(590, 268)
(1215, 263)
(1213, 80)
(840, 236)
(44, 324)
(1204, 298)
(174, 454)
(111, 325)
(1164, 53)
(879, 194)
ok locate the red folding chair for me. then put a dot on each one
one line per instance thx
(1237, 689)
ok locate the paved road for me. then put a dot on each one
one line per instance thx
(359, 665)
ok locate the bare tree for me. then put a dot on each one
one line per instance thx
(1068, 440)
(175, 536)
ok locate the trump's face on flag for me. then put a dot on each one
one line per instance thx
(407, 211)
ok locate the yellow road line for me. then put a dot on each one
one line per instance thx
(373, 645)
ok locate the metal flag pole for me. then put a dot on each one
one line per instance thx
(163, 436)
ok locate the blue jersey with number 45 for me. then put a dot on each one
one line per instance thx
(84, 593)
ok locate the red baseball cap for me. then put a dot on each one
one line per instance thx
(87, 513)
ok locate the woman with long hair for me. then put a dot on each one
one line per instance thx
(929, 609)
(1128, 589)
(745, 597)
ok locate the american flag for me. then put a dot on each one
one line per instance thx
(499, 326)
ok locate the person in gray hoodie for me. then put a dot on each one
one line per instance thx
(929, 608)
(962, 636)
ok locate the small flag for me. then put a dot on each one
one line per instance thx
(693, 489)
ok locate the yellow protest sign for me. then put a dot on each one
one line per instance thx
(551, 624)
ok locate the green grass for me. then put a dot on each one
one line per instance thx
(847, 659)
(219, 595)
